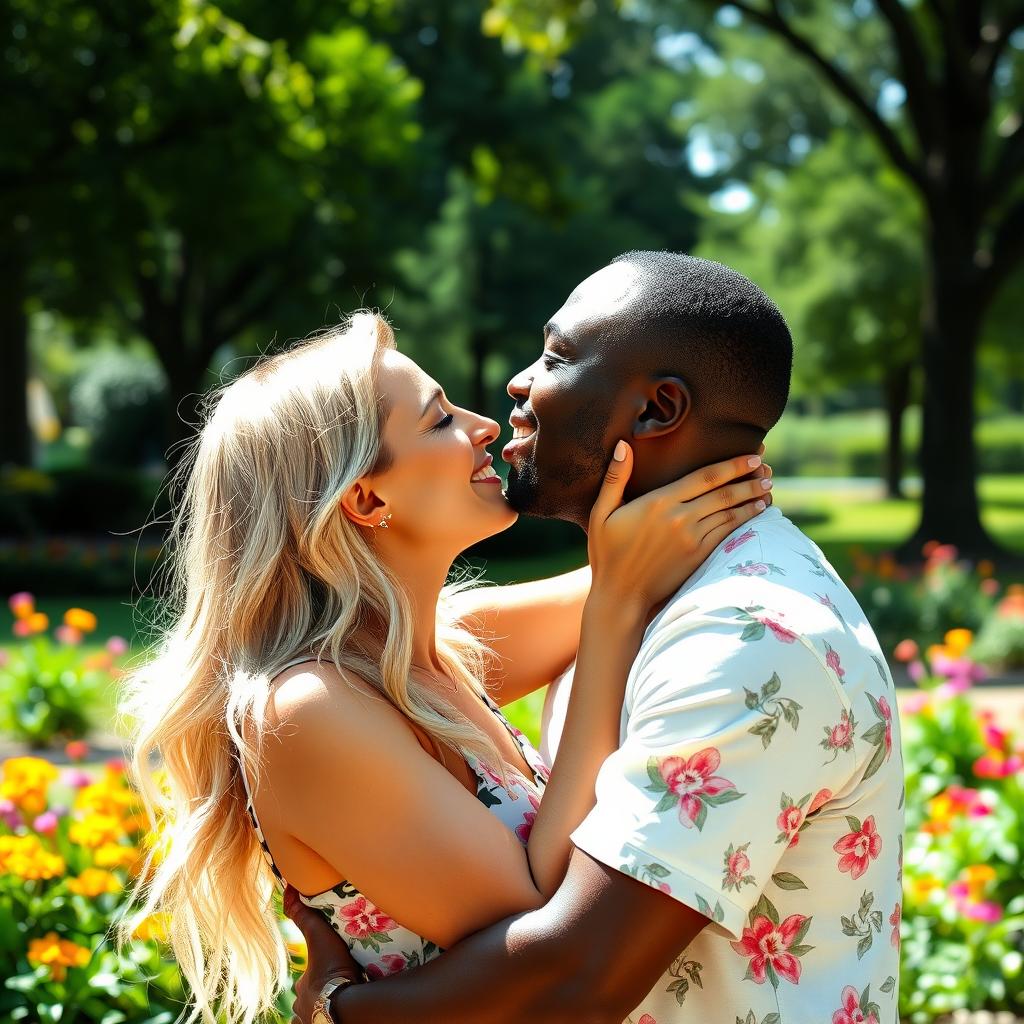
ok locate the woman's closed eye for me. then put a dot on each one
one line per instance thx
(444, 423)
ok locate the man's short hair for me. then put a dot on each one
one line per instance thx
(714, 328)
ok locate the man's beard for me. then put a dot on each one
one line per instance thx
(567, 491)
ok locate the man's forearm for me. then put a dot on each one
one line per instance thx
(521, 969)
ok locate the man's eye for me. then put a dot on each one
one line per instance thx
(550, 361)
(446, 422)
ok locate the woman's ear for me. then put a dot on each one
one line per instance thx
(668, 404)
(362, 505)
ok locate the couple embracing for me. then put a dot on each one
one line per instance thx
(714, 832)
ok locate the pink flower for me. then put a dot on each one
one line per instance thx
(46, 823)
(883, 706)
(832, 660)
(21, 604)
(68, 635)
(22, 628)
(738, 864)
(390, 963)
(9, 814)
(985, 911)
(4, 658)
(790, 819)
(76, 779)
(841, 735)
(647, 1019)
(767, 944)
(989, 587)
(523, 830)
(753, 569)
(858, 849)
(916, 671)
(916, 703)
(894, 919)
(850, 1012)
(117, 645)
(731, 545)
(692, 779)
(787, 636)
(364, 919)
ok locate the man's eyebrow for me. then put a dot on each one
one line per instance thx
(552, 332)
(435, 395)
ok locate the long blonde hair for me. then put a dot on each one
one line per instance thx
(263, 567)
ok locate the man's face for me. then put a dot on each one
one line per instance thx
(572, 403)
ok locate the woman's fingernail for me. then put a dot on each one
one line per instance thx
(619, 454)
(754, 461)
(760, 505)
(766, 483)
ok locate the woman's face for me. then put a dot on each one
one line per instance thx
(440, 487)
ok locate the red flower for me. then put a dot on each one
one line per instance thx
(894, 919)
(850, 1012)
(691, 779)
(523, 830)
(790, 819)
(767, 944)
(738, 864)
(840, 736)
(787, 636)
(858, 848)
(390, 963)
(730, 547)
(364, 919)
(647, 1019)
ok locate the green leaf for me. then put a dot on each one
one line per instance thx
(854, 823)
(876, 734)
(863, 946)
(772, 976)
(727, 796)
(889, 984)
(799, 949)
(772, 1018)
(802, 931)
(657, 870)
(702, 816)
(875, 763)
(666, 803)
(654, 774)
(753, 631)
(703, 906)
(765, 908)
(772, 687)
(751, 700)
(787, 880)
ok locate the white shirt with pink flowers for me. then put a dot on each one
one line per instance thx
(759, 781)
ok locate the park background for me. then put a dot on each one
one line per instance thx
(186, 185)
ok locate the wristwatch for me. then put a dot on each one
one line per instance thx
(322, 1006)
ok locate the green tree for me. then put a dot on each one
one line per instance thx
(938, 87)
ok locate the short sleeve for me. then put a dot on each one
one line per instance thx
(721, 762)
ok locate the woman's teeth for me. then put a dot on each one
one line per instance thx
(487, 473)
(518, 432)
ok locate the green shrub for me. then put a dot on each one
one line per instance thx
(121, 400)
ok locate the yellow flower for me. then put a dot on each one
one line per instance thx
(298, 953)
(920, 889)
(93, 882)
(113, 855)
(153, 927)
(96, 830)
(25, 781)
(80, 619)
(978, 877)
(106, 797)
(58, 954)
(957, 642)
(26, 857)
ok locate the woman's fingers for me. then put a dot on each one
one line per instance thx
(729, 496)
(702, 480)
(613, 486)
(719, 525)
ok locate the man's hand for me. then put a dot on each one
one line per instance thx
(327, 956)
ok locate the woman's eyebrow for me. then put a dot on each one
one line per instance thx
(435, 395)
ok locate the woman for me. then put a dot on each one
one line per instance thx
(320, 704)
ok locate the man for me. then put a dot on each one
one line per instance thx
(742, 862)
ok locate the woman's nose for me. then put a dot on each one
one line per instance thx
(486, 431)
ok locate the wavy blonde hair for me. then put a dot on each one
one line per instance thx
(264, 567)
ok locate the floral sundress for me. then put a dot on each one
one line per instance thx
(378, 943)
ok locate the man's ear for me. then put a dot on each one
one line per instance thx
(362, 505)
(668, 404)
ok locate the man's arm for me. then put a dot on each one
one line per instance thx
(589, 956)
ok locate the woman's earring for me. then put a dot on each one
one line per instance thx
(384, 521)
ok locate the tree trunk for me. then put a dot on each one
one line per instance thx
(15, 439)
(897, 398)
(952, 316)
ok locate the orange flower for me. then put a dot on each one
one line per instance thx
(80, 619)
(957, 642)
(22, 605)
(25, 781)
(38, 622)
(26, 857)
(114, 855)
(58, 954)
(986, 569)
(93, 882)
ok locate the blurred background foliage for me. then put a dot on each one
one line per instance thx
(184, 185)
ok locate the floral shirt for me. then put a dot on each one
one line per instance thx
(379, 944)
(759, 781)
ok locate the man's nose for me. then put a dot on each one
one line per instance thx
(519, 385)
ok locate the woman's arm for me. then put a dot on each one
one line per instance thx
(533, 628)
